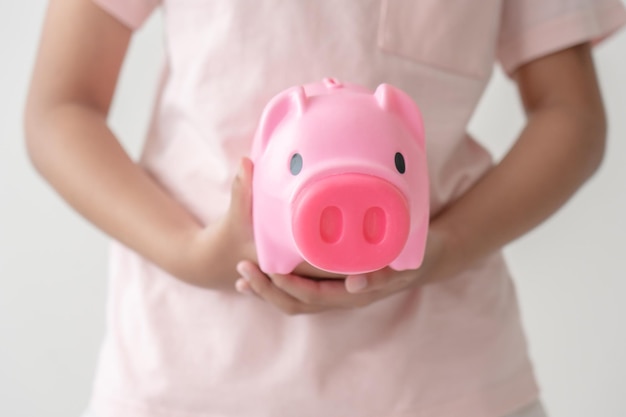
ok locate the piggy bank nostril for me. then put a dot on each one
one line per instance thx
(331, 224)
(374, 225)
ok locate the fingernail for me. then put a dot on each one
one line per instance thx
(241, 268)
(242, 286)
(356, 283)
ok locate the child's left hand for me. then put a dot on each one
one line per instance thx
(294, 294)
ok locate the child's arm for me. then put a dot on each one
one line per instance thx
(560, 148)
(81, 51)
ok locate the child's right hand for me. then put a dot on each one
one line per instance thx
(214, 251)
(238, 220)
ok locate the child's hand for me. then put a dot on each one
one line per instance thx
(238, 220)
(213, 252)
(294, 294)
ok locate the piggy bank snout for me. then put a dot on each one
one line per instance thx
(350, 223)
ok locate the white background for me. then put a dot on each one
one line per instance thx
(571, 272)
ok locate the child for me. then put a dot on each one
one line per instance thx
(442, 341)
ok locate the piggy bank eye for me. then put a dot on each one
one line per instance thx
(295, 165)
(400, 166)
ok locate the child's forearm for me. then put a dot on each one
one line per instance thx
(561, 146)
(75, 151)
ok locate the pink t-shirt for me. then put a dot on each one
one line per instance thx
(453, 349)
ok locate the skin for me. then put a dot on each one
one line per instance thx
(69, 143)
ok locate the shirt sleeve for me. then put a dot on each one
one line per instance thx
(132, 13)
(531, 29)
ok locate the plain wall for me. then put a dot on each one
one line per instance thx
(570, 272)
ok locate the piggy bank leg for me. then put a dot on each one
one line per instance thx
(412, 255)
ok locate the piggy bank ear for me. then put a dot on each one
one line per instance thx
(291, 102)
(395, 101)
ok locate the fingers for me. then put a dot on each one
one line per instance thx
(356, 283)
(246, 168)
(242, 286)
(241, 196)
(296, 295)
(327, 292)
(263, 287)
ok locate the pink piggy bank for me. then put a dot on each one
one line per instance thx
(340, 180)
